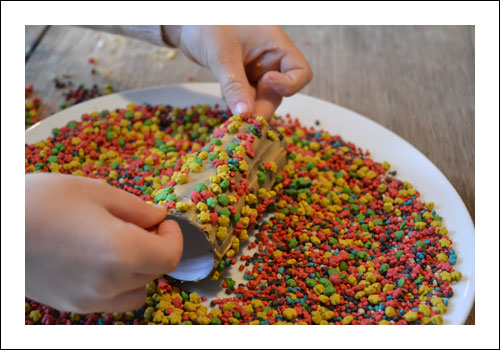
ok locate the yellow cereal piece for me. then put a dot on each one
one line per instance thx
(444, 242)
(323, 298)
(456, 276)
(335, 299)
(424, 310)
(445, 276)
(441, 308)
(181, 206)
(215, 188)
(290, 313)
(374, 299)
(201, 206)
(437, 319)
(222, 233)
(250, 199)
(359, 295)
(390, 312)
(319, 289)
(370, 276)
(223, 220)
(388, 287)
(204, 217)
(411, 316)
(229, 306)
(243, 166)
(423, 290)
(189, 306)
(347, 320)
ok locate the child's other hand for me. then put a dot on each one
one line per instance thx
(87, 247)
(256, 65)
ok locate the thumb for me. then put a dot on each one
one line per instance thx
(237, 91)
(131, 208)
(155, 254)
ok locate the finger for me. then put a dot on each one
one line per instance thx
(268, 61)
(127, 301)
(131, 208)
(289, 82)
(156, 254)
(237, 91)
(267, 100)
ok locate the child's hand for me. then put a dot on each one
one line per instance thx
(87, 247)
(255, 65)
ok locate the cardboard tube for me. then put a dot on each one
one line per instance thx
(253, 146)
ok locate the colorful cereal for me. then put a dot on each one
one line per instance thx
(345, 241)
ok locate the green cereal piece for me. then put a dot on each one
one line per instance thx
(171, 197)
(225, 212)
(215, 321)
(401, 282)
(56, 132)
(211, 202)
(230, 284)
(399, 254)
(419, 279)
(261, 177)
(72, 124)
(236, 217)
(104, 113)
(231, 147)
(399, 234)
(148, 122)
(292, 243)
(200, 187)
(354, 208)
(311, 282)
(332, 271)
(332, 241)
(223, 200)
(417, 218)
(279, 178)
(420, 244)
(362, 255)
(343, 266)
(383, 268)
(53, 159)
(377, 222)
(329, 290)
(291, 282)
(129, 115)
(325, 282)
(110, 135)
(212, 156)
(224, 185)
(63, 105)
(310, 165)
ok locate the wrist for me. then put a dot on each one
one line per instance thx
(171, 35)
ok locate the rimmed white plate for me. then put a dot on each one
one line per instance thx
(411, 165)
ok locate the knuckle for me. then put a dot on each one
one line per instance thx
(232, 87)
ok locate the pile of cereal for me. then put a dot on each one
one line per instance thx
(31, 107)
(345, 242)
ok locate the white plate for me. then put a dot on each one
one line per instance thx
(411, 165)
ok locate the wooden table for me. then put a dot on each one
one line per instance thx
(417, 81)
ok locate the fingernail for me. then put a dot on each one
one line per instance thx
(241, 108)
(159, 206)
